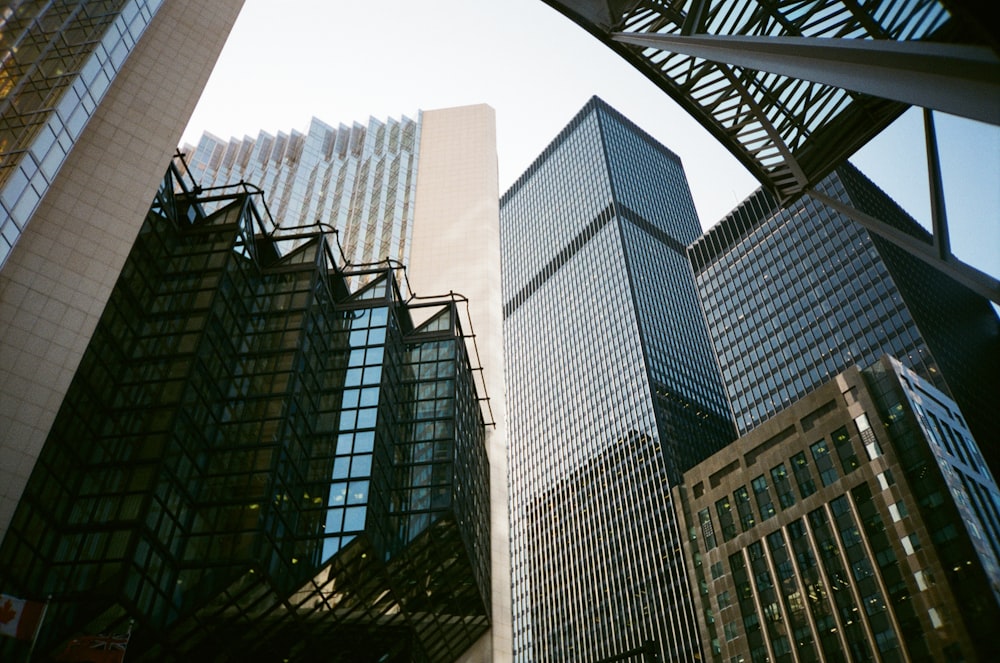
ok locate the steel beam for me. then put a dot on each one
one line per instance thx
(979, 282)
(954, 78)
(939, 217)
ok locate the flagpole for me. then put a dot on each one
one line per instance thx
(38, 628)
(128, 638)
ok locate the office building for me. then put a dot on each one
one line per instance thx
(423, 193)
(255, 462)
(612, 391)
(453, 232)
(95, 97)
(859, 523)
(456, 247)
(359, 179)
(795, 295)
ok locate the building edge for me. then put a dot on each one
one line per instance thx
(456, 247)
(57, 280)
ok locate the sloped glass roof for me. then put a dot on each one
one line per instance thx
(787, 131)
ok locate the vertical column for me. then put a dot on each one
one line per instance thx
(456, 247)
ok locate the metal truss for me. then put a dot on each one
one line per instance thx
(792, 88)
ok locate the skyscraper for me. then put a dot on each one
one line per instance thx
(255, 461)
(58, 63)
(421, 192)
(95, 96)
(359, 179)
(795, 295)
(612, 391)
(859, 523)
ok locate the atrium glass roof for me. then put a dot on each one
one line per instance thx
(787, 130)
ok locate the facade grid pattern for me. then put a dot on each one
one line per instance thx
(873, 549)
(258, 462)
(359, 180)
(58, 61)
(795, 295)
(610, 392)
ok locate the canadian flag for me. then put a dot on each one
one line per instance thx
(19, 618)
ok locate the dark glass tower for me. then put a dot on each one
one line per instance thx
(612, 392)
(256, 463)
(794, 296)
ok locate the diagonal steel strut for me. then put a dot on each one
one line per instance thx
(954, 78)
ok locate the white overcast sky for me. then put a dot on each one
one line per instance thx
(343, 61)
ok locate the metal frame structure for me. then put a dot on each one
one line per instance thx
(792, 88)
(338, 503)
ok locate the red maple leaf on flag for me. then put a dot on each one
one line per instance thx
(7, 612)
(19, 617)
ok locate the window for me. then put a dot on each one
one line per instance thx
(803, 476)
(717, 570)
(861, 421)
(873, 603)
(845, 450)
(945, 534)
(862, 569)
(885, 557)
(742, 498)
(886, 640)
(707, 530)
(725, 511)
(932, 500)
(796, 530)
(723, 600)
(935, 617)
(764, 504)
(872, 447)
(897, 511)
(824, 464)
(782, 486)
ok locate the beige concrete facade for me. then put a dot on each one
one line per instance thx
(837, 569)
(456, 247)
(59, 276)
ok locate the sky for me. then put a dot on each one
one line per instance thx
(345, 61)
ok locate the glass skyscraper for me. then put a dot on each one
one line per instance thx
(422, 193)
(612, 392)
(359, 179)
(794, 296)
(256, 462)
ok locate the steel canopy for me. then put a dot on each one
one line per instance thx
(794, 87)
